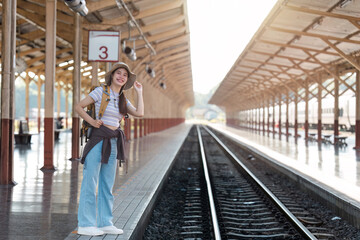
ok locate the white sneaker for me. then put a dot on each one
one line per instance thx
(111, 230)
(89, 231)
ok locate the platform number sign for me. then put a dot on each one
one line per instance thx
(104, 46)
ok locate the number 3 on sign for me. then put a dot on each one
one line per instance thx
(103, 46)
(104, 54)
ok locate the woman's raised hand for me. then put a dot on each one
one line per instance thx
(137, 86)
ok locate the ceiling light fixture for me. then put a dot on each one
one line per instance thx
(317, 23)
(344, 3)
(130, 52)
(121, 4)
(296, 39)
(77, 6)
(150, 71)
(162, 85)
(162, 81)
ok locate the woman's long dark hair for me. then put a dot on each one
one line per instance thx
(122, 99)
(122, 102)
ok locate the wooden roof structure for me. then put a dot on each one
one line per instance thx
(301, 43)
(163, 24)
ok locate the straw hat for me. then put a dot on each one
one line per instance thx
(131, 77)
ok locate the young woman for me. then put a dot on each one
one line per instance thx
(105, 147)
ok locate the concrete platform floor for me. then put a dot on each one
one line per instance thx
(43, 205)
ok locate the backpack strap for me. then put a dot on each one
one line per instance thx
(105, 99)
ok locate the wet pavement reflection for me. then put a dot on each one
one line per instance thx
(43, 205)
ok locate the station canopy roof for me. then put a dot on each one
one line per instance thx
(163, 30)
(300, 42)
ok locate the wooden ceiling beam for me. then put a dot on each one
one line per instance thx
(297, 47)
(163, 24)
(349, 59)
(172, 42)
(268, 79)
(179, 61)
(41, 58)
(60, 6)
(309, 75)
(30, 51)
(297, 83)
(178, 66)
(172, 52)
(165, 46)
(181, 75)
(166, 34)
(177, 70)
(41, 67)
(31, 36)
(280, 66)
(327, 69)
(280, 56)
(62, 29)
(94, 6)
(355, 23)
(40, 10)
(315, 35)
(319, 13)
(146, 13)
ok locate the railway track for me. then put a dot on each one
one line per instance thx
(223, 199)
(247, 209)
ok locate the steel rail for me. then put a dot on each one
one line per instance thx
(208, 184)
(296, 223)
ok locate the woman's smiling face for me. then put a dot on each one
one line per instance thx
(120, 77)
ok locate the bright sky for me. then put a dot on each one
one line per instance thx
(219, 31)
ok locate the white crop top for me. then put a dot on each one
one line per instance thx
(111, 116)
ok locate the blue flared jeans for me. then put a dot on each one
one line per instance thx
(92, 213)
